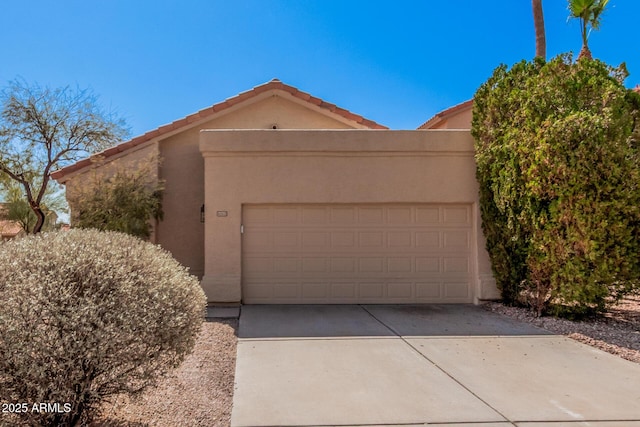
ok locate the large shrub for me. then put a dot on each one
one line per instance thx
(86, 315)
(559, 172)
(499, 173)
(126, 200)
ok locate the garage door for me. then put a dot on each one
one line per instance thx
(346, 254)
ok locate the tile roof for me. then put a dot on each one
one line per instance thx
(446, 113)
(437, 118)
(9, 228)
(274, 84)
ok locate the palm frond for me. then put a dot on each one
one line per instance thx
(596, 13)
(580, 8)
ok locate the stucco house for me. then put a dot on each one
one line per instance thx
(276, 196)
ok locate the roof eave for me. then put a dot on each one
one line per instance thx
(192, 120)
(444, 114)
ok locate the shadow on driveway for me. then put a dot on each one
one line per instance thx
(393, 365)
(324, 321)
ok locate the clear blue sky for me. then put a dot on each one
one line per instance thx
(395, 62)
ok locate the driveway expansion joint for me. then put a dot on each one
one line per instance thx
(436, 365)
(347, 366)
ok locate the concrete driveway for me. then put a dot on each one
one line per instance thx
(447, 365)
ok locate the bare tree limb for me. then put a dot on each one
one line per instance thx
(41, 129)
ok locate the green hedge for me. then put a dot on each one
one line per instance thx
(559, 173)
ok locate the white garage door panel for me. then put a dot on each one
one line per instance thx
(356, 253)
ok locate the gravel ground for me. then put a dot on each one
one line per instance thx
(618, 332)
(198, 393)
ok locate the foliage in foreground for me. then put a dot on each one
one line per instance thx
(559, 172)
(43, 129)
(126, 201)
(16, 207)
(87, 315)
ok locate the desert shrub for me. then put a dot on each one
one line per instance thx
(126, 200)
(559, 170)
(87, 315)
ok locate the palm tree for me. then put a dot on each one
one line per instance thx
(538, 22)
(589, 13)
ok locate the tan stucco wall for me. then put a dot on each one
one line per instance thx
(461, 120)
(329, 166)
(284, 111)
(182, 168)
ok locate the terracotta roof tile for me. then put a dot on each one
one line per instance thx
(165, 128)
(218, 107)
(313, 100)
(303, 96)
(181, 122)
(277, 84)
(259, 89)
(127, 144)
(206, 112)
(349, 115)
(244, 95)
(8, 228)
(370, 123)
(443, 114)
(329, 106)
(192, 118)
(237, 99)
(11, 227)
(151, 134)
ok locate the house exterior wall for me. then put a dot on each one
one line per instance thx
(329, 166)
(182, 168)
(461, 120)
(286, 113)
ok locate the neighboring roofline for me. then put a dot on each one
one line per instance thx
(442, 115)
(9, 228)
(274, 84)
